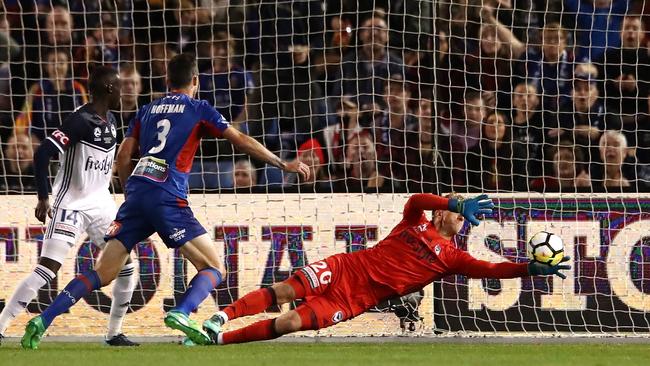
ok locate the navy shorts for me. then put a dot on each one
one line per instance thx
(150, 209)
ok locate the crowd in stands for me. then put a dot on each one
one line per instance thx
(374, 96)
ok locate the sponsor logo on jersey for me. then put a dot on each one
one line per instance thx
(420, 248)
(337, 317)
(152, 168)
(60, 137)
(177, 235)
(104, 166)
(168, 108)
(98, 134)
(114, 228)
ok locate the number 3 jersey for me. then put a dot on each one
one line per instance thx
(168, 131)
(87, 145)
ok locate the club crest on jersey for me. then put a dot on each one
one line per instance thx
(337, 317)
(437, 249)
(113, 131)
(98, 133)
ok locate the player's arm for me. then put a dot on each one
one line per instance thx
(218, 127)
(59, 141)
(469, 208)
(252, 147)
(464, 264)
(129, 149)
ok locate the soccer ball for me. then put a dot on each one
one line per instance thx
(545, 247)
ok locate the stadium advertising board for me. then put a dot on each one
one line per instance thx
(264, 237)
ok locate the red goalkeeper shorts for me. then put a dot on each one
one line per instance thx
(336, 289)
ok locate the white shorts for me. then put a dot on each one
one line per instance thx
(67, 226)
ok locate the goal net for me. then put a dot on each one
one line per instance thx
(542, 104)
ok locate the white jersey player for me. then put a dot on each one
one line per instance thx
(82, 202)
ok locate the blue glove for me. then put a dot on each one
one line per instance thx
(471, 207)
(543, 269)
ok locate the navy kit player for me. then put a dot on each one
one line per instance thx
(82, 201)
(164, 137)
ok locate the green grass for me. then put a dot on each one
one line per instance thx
(320, 354)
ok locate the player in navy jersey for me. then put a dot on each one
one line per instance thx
(164, 137)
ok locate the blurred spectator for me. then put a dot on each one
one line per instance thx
(396, 133)
(613, 173)
(457, 135)
(156, 82)
(551, 69)
(336, 135)
(527, 126)
(569, 173)
(244, 175)
(182, 29)
(490, 164)
(57, 34)
(421, 172)
(302, 105)
(102, 48)
(338, 38)
(131, 91)
(627, 83)
(226, 85)
(363, 72)
(361, 163)
(585, 118)
(597, 24)
(311, 154)
(9, 49)
(51, 100)
(17, 167)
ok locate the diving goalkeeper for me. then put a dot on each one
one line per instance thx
(417, 252)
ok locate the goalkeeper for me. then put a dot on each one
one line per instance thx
(415, 253)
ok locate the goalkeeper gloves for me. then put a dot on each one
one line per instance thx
(543, 269)
(471, 207)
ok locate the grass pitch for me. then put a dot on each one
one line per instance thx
(321, 354)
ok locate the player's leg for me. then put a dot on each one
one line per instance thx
(202, 253)
(259, 300)
(54, 253)
(317, 313)
(110, 262)
(125, 282)
(129, 228)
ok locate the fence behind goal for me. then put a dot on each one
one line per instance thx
(544, 103)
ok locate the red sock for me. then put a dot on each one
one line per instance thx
(251, 304)
(259, 331)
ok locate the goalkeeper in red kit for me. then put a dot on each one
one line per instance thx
(417, 252)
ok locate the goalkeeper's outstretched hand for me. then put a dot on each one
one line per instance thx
(471, 207)
(543, 269)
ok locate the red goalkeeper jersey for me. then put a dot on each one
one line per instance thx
(414, 254)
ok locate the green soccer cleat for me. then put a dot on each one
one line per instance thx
(179, 321)
(212, 326)
(33, 333)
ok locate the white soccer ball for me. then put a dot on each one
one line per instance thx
(545, 247)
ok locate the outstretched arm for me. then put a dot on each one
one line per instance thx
(469, 208)
(252, 147)
(465, 264)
